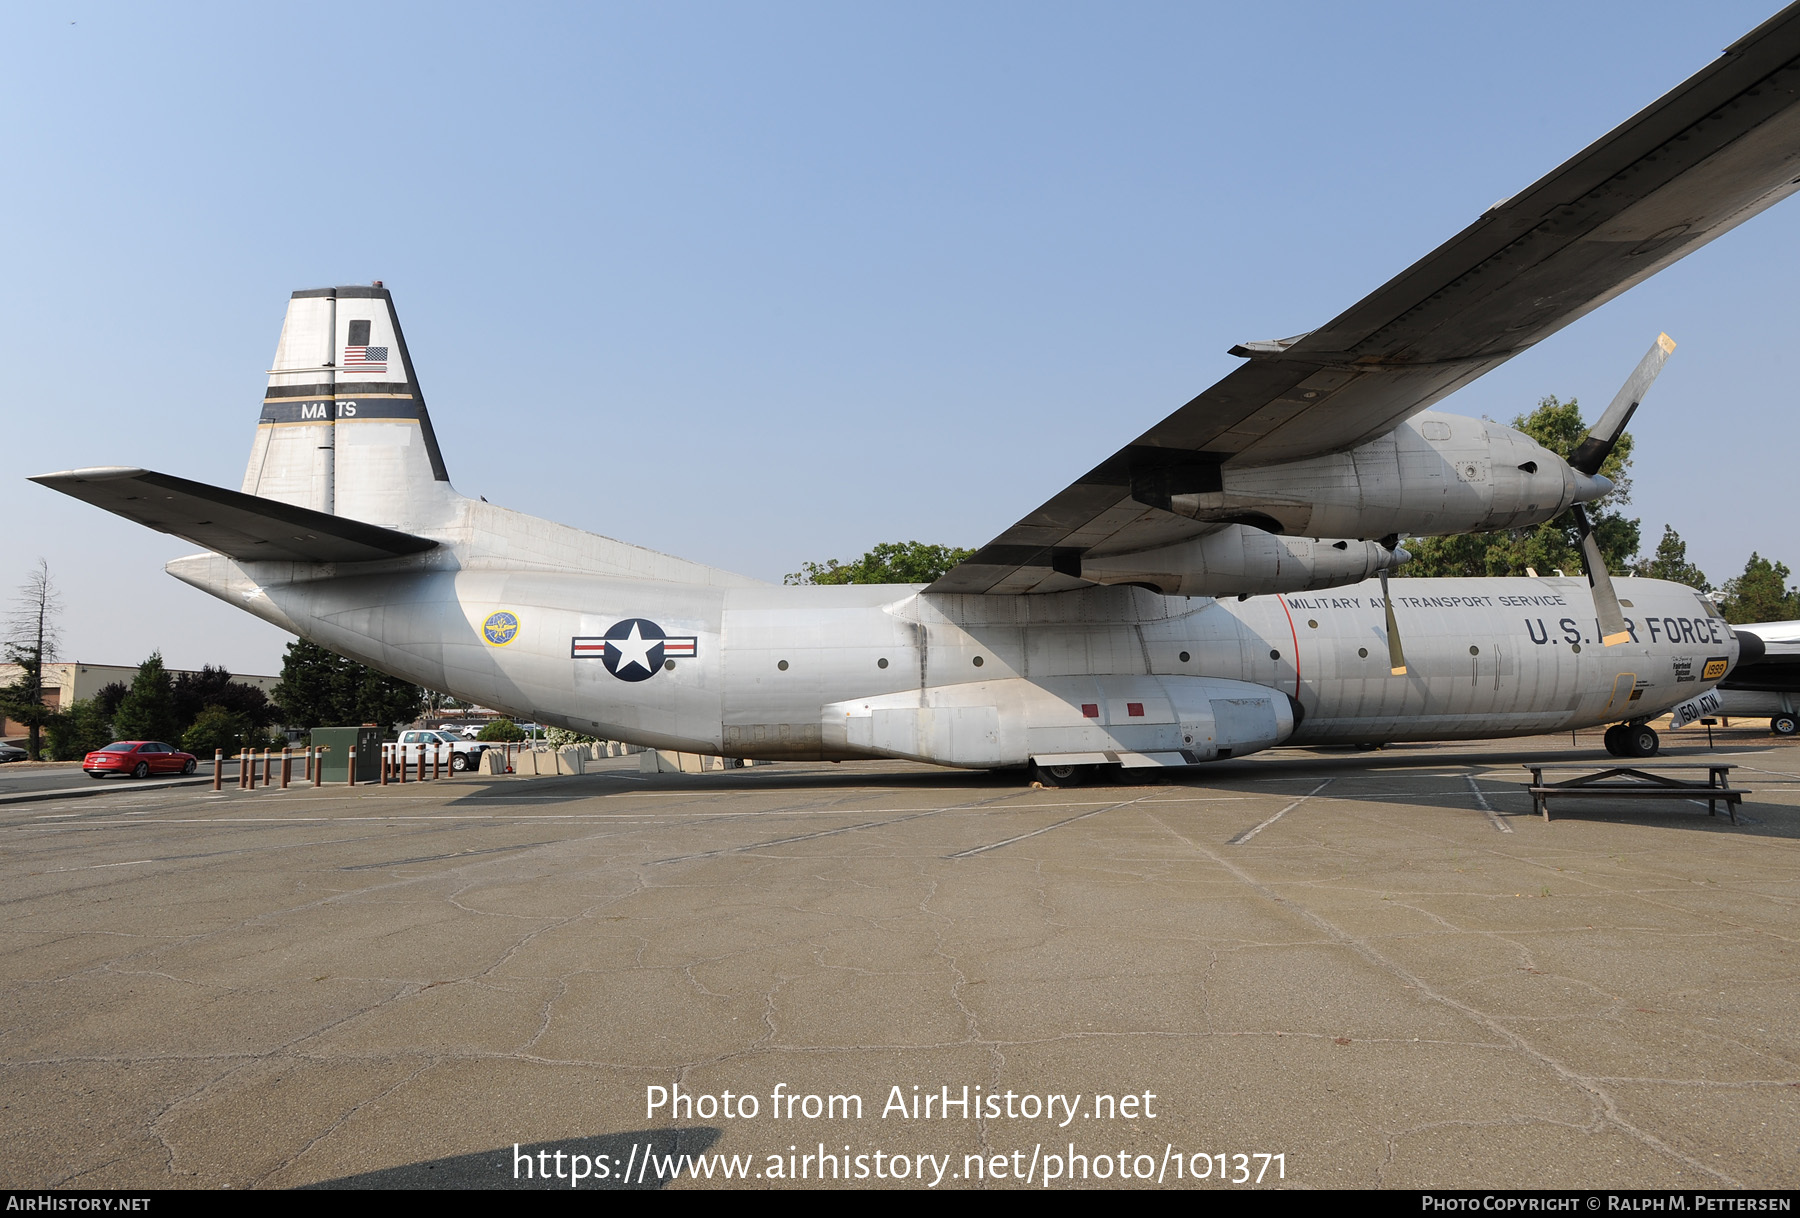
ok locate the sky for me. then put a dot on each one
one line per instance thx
(763, 284)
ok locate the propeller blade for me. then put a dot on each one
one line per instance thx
(1597, 446)
(1396, 657)
(1606, 602)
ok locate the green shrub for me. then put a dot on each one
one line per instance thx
(78, 731)
(502, 730)
(217, 728)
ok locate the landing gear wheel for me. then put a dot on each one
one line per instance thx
(1061, 775)
(1641, 741)
(1615, 740)
(142, 771)
(1784, 725)
(460, 763)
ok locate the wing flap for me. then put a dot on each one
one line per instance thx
(240, 526)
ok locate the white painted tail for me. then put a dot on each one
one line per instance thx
(344, 427)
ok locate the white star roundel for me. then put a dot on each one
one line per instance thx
(635, 649)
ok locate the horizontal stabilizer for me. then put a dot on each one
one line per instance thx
(240, 526)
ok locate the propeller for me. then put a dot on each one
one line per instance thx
(1587, 459)
(1396, 657)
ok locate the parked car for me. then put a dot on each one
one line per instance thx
(140, 759)
(12, 752)
(450, 748)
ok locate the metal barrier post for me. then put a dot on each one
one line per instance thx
(386, 756)
(218, 769)
(350, 767)
(287, 768)
(437, 758)
(421, 763)
(309, 759)
(318, 769)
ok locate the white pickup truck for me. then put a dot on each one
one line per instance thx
(447, 748)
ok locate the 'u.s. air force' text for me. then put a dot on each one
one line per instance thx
(1696, 630)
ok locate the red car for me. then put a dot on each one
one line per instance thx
(140, 759)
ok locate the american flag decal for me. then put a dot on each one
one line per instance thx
(365, 359)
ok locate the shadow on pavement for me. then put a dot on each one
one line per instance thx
(652, 1156)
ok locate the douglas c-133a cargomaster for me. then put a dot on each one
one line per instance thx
(1188, 599)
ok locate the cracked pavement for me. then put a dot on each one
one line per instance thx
(1377, 964)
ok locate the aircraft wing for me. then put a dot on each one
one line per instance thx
(245, 527)
(1706, 157)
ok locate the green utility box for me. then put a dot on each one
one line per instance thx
(340, 743)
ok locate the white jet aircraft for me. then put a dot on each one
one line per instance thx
(1167, 609)
(1765, 681)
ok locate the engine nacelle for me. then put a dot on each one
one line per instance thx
(1241, 561)
(1434, 474)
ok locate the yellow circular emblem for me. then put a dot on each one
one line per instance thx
(500, 628)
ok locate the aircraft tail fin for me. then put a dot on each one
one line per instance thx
(344, 429)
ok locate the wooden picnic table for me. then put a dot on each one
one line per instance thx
(1645, 780)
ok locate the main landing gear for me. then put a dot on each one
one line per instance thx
(1062, 775)
(1632, 740)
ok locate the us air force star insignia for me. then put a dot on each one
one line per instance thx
(635, 649)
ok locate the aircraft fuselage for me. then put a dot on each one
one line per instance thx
(884, 670)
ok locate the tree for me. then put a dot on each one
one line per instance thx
(891, 562)
(1760, 594)
(213, 687)
(31, 642)
(320, 688)
(1671, 562)
(148, 711)
(107, 698)
(1556, 544)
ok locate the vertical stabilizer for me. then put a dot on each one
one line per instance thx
(344, 427)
